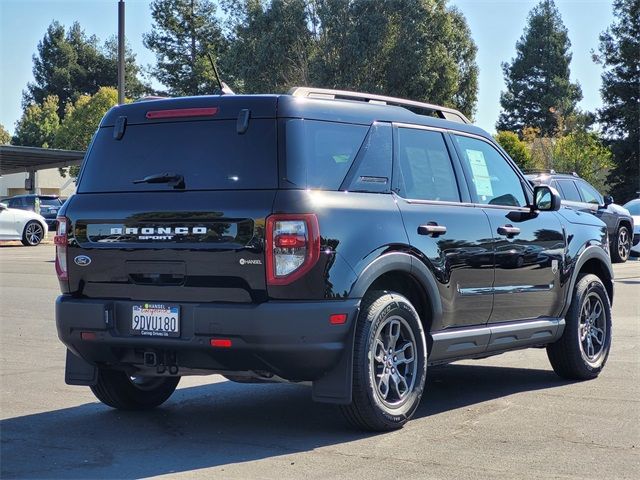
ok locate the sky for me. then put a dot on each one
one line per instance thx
(495, 25)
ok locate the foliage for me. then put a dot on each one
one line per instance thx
(70, 64)
(582, 152)
(418, 49)
(620, 115)
(81, 121)
(184, 33)
(5, 137)
(516, 148)
(537, 79)
(271, 48)
(39, 123)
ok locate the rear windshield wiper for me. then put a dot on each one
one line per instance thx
(174, 179)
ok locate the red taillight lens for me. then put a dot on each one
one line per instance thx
(292, 246)
(60, 240)
(221, 342)
(182, 112)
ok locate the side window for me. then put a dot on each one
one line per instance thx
(569, 190)
(494, 181)
(589, 194)
(425, 166)
(16, 203)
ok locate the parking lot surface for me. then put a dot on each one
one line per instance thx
(505, 417)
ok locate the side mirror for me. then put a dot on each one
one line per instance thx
(546, 199)
(3, 206)
(608, 200)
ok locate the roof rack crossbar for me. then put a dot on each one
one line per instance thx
(442, 112)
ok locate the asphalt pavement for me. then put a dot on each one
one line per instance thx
(506, 417)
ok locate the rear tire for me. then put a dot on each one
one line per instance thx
(621, 246)
(32, 234)
(582, 351)
(389, 363)
(118, 390)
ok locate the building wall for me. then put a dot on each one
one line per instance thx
(48, 182)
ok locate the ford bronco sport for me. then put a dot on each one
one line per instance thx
(337, 238)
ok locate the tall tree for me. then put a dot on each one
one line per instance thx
(419, 49)
(81, 121)
(38, 125)
(70, 64)
(184, 33)
(5, 137)
(516, 148)
(537, 79)
(620, 115)
(271, 46)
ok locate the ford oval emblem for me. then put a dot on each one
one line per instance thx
(82, 260)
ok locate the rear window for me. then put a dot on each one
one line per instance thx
(50, 202)
(319, 154)
(210, 155)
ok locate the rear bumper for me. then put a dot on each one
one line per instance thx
(293, 340)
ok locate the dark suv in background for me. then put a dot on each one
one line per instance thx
(45, 205)
(337, 238)
(580, 195)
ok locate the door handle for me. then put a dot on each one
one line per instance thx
(432, 229)
(508, 230)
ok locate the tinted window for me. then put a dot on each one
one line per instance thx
(426, 172)
(208, 154)
(569, 190)
(50, 202)
(589, 194)
(319, 154)
(16, 202)
(494, 181)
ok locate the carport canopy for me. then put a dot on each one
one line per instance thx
(16, 159)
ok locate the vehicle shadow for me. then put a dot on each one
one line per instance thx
(220, 424)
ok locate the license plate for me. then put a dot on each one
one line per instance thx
(155, 320)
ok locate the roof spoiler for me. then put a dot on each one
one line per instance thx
(416, 107)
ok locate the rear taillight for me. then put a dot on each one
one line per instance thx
(292, 246)
(60, 241)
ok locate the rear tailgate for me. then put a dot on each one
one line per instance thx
(199, 239)
(200, 247)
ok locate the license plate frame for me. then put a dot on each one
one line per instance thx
(155, 320)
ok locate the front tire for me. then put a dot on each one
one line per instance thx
(389, 364)
(621, 246)
(32, 234)
(582, 351)
(118, 390)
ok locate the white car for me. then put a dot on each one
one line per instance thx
(28, 227)
(634, 209)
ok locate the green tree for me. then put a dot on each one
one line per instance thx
(38, 125)
(537, 79)
(516, 148)
(184, 33)
(5, 137)
(582, 152)
(419, 49)
(271, 47)
(620, 114)
(81, 121)
(69, 64)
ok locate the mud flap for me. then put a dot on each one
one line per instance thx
(79, 372)
(336, 385)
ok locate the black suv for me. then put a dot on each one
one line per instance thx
(45, 205)
(336, 238)
(580, 195)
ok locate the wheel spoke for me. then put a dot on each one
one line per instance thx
(590, 349)
(380, 351)
(394, 333)
(399, 384)
(405, 354)
(383, 385)
(583, 332)
(598, 335)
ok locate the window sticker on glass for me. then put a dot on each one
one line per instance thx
(481, 177)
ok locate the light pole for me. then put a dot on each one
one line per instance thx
(121, 52)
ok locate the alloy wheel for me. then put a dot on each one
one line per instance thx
(34, 233)
(624, 243)
(394, 362)
(592, 328)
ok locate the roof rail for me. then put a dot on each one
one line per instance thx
(541, 170)
(416, 107)
(148, 98)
